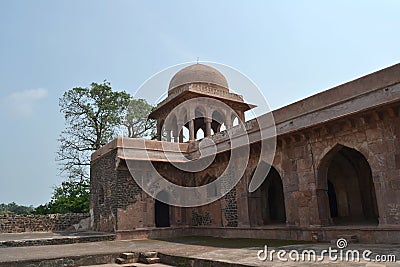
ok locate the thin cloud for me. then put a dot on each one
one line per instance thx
(23, 103)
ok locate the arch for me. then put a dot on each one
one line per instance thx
(183, 113)
(218, 117)
(182, 125)
(185, 132)
(170, 127)
(235, 121)
(171, 121)
(200, 112)
(212, 191)
(346, 189)
(267, 203)
(162, 210)
(174, 128)
(217, 120)
(335, 147)
(199, 122)
(199, 134)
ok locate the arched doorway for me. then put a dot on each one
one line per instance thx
(161, 210)
(217, 121)
(346, 177)
(267, 203)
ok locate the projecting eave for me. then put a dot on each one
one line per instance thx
(143, 149)
(171, 103)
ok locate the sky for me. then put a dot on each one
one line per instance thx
(290, 49)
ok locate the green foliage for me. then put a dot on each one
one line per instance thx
(71, 196)
(13, 208)
(92, 117)
(136, 120)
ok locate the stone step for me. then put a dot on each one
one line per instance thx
(150, 260)
(128, 255)
(120, 261)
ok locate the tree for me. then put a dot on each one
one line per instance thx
(92, 116)
(71, 196)
(136, 120)
(13, 208)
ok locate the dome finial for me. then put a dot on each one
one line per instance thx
(197, 60)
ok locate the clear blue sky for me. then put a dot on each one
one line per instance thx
(290, 49)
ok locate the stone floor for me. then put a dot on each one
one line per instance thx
(130, 264)
(49, 238)
(46, 235)
(246, 256)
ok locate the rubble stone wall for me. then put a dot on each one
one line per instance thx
(39, 223)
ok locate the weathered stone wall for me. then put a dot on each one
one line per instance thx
(131, 202)
(337, 152)
(300, 158)
(199, 219)
(114, 196)
(39, 223)
(103, 181)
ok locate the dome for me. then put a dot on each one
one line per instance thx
(198, 73)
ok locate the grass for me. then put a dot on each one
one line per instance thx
(232, 242)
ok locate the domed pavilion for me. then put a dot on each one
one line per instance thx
(194, 82)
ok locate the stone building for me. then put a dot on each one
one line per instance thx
(335, 171)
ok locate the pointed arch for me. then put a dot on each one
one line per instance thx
(235, 121)
(267, 203)
(199, 134)
(217, 121)
(185, 133)
(345, 189)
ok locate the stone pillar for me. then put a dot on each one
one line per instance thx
(181, 136)
(180, 131)
(243, 203)
(228, 122)
(168, 135)
(176, 136)
(324, 216)
(241, 117)
(159, 131)
(191, 130)
(208, 126)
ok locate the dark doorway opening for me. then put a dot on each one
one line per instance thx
(332, 200)
(267, 203)
(350, 188)
(161, 210)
